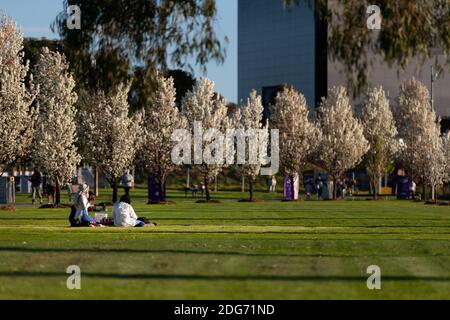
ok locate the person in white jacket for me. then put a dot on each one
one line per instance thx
(124, 214)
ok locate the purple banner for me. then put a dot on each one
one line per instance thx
(288, 189)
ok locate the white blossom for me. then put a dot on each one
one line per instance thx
(205, 106)
(54, 150)
(298, 135)
(249, 118)
(16, 114)
(112, 137)
(419, 128)
(342, 145)
(381, 133)
(446, 146)
(161, 120)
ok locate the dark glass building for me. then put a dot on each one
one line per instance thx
(279, 45)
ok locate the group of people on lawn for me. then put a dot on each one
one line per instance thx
(123, 214)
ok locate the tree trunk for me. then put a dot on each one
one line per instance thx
(448, 193)
(208, 197)
(11, 188)
(96, 182)
(425, 196)
(292, 188)
(334, 188)
(188, 178)
(250, 185)
(374, 188)
(114, 186)
(57, 192)
(161, 189)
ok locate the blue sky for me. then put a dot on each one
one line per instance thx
(35, 17)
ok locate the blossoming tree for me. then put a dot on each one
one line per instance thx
(419, 128)
(16, 113)
(113, 137)
(446, 145)
(203, 106)
(54, 150)
(249, 119)
(160, 121)
(298, 135)
(381, 133)
(343, 144)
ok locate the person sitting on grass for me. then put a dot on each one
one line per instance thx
(81, 207)
(125, 216)
(92, 206)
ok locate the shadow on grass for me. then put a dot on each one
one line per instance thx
(247, 219)
(138, 276)
(193, 252)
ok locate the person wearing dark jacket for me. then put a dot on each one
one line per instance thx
(35, 180)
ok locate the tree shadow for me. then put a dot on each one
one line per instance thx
(194, 252)
(176, 277)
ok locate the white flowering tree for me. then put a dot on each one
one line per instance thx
(446, 145)
(250, 119)
(16, 114)
(343, 144)
(202, 106)
(381, 133)
(419, 128)
(298, 135)
(161, 119)
(112, 137)
(54, 150)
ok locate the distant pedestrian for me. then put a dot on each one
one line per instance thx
(339, 188)
(50, 189)
(127, 182)
(320, 184)
(202, 188)
(36, 180)
(273, 184)
(412, 190)
(351, 186)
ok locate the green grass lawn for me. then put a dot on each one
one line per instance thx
(267, 250)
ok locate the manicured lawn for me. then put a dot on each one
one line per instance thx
(267, 250)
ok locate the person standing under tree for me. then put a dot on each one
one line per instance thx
(320, 183)
(127, 182)
(35, 180)
(50, 189)
(273, 185)
(412, 190)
